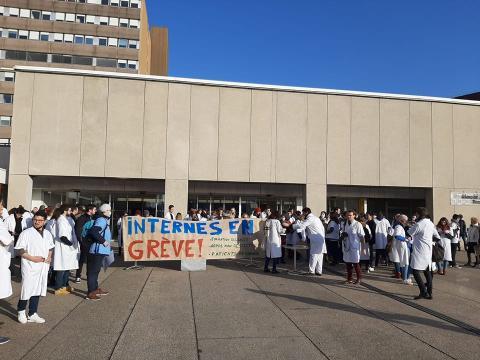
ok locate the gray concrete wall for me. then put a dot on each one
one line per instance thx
(76, 125)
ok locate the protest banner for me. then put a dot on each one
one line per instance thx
(153, 239)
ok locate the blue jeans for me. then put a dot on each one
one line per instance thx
(442, 265)
(267, 261)
(94, 265)
(61, 279)
(33, 306)
(405, 270)
(397, 267)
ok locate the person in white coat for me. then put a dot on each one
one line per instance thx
(67, 251)
(35, 246)
(352, 238)
(422, 233)
(6, 240)
(315, 231)
(446, 235)
(273, 242)
(382, 227)
(400, 254)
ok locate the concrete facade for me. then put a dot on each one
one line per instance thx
(179, 130)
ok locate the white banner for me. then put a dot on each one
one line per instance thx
(464, 198)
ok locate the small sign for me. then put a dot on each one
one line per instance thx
(464, 198)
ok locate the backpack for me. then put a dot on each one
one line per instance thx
(85, 230)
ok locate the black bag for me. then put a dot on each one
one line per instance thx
(437, 252)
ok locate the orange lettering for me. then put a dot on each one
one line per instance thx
(163, 251)
(152, 245)
(135, 254)
(188, 247)
(200, 244)
(179, 249)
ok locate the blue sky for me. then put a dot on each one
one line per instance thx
(421, 47)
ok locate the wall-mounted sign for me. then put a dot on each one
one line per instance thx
(464, 198)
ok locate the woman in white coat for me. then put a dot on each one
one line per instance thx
(6, 240)
(66, 251)
(446, 236)
(400, 253)
(352, 239)
(315, 231)
(273, 242)
(422, 233)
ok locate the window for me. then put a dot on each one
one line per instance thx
(123, 22)
(46, 15)
(107, 62)
(34, 35)
(113, 21)
(44, 36)
(132, 44)
(23, 34)
(14, 12)
(2, 10)
(68, 38)
(132, 64)
(15, 55)
(5, 120)
(79, 39)
(103, 20)
(61, 59)
(58, 37)
(122, 64)
(9, 76)
(124, 3)
(59, 16)
(89, 40)
(112, 42)
(24, 13)
(90, 19)
(6, 98)
(12, 34)
(104, 2)
(81, 19)
(134, 23)
(40, 57)
(70, 17)
(114, 2)
(122, 43)
(134, 4)
(82, 60)
(102, 41)
(36, 14)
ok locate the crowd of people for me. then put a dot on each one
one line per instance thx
(51, 243)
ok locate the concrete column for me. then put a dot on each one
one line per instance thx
(439, 204)
(176, 193)
(316, 198)
(20, 191)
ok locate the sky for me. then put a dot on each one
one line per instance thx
(417, 47)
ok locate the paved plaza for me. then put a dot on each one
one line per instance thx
(233, 311)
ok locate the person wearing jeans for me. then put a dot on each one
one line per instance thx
(352, 238)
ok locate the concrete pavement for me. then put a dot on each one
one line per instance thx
(232, 311)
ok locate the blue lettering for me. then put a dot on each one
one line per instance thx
(217, 230)
(247, 227)
(165, 229)
(189, 228)
(139, 227)
(201, 228)
(153, 222)
(233, 227)
(129, 222)
(176, 227)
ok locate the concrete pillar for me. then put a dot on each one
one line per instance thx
(20, 191)
(316, 198)
(439, 204)
(176, 193)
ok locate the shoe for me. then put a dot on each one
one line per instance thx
(4, 340)
(101, 292)
(348, 282)
(61, 292)
(70, 289)
(317, 273)
(408, 282)
(92, 296)
(429, 297)
(457, 266)
(397, 275)
(357, 282)
(371, 269)
(78, 280)
(36, 319)
(420, 296)
(274, 271)
(22, 317)
(266, 270)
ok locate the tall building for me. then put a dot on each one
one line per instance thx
(102, 35)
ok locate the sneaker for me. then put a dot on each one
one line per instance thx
(22, 317)
(4, 340)
(457, 266)
(78, 280)
(100, 292)
(408, 282)
(70, 289)
(36, 319)
(371, 269)
(92, 296)
(61, 292)
(318, 274)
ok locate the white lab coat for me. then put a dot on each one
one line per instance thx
(315, 231)
(422, 233)
(455, 232)
(352, 244)
(399, 253)
(381, 231)
(273, 243)
(34, 275)
(4, 214)
(364, 247)
(445, 242)
(6, 241)
(27, 220)
(65, 257)
(11, 223)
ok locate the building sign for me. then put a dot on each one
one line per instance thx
(465, 198)
(153, 239)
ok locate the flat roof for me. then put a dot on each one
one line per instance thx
(62, 71)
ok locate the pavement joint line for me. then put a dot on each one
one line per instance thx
(251, 337)
(61, 320)
(384, 319)
(193, 313)
(286, 315)
(419, 307)
(129, 315)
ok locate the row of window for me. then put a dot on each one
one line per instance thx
(7, 76)
(5, 120)
(69, 17)
(6, 99)
(121, 3)
(68, 59)
(69, 38)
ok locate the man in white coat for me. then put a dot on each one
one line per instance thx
(6, 240)
(315, 231)
(273, 242)
(381, 232)
(422, 233)
(352, 238)
(35, 246)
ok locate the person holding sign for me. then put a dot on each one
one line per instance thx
(273, 243)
